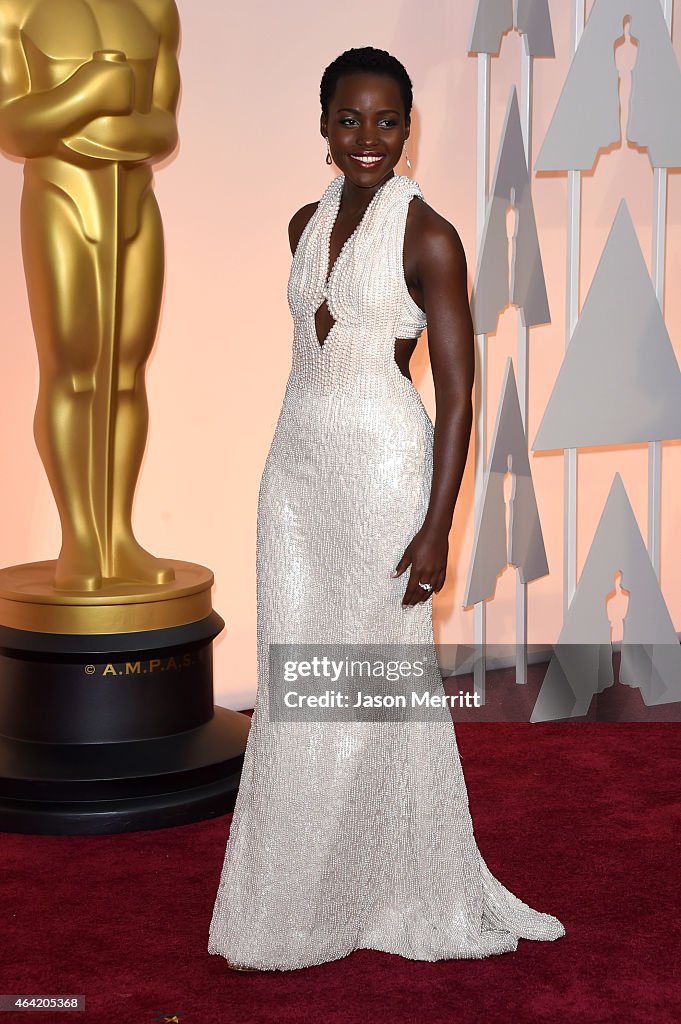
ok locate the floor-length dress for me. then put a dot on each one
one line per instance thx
(351, 835)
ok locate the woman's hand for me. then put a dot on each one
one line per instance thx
(427, 553)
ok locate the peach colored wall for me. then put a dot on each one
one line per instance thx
(250, 155)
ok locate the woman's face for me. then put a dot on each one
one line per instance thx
(366, 118)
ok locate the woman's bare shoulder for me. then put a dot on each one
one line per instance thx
(432, 233)
(297, 223)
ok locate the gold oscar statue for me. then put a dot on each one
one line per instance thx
(88, 95)
(107, 719)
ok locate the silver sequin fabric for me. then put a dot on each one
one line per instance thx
(352, 835)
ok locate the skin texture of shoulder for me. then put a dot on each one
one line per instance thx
(433, 251)
(297, 223)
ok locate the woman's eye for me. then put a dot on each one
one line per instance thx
(386, 121)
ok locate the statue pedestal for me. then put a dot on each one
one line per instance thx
(107, 721)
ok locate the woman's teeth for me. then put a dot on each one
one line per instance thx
(366, 160)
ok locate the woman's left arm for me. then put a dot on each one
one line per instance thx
(442, 275)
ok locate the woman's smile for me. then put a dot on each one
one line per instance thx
(366, 160)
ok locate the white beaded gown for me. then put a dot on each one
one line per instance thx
(352, 835)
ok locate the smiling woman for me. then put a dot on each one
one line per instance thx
(351, 834)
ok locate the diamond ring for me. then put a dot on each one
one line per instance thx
(425, 586)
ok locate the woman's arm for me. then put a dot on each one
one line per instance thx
(434, 253)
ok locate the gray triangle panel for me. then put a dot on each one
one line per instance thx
(534, 20)
(587, 115)
(490, 556)
(492, 18)
(619, 382)
(653, 660)
(495, 17)
(491, 286)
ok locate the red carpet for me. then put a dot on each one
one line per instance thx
(580, 820)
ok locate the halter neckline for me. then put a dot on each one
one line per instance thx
(334, 217)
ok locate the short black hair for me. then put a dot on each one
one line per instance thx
(365, 59)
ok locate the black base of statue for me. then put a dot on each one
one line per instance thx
(114, 732)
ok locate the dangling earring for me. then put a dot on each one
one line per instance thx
(406, 156)
(328, 151)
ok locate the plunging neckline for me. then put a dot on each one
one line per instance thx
(321, 345)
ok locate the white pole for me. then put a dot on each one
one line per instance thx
(658, 273)
(572, 313)
(480, 390)
(526, 68)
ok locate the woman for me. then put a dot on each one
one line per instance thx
(350, 835)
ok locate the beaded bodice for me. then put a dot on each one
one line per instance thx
(365, 292)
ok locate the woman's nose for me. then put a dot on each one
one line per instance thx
(365, 140)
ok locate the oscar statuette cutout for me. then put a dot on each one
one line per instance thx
(107, 722)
